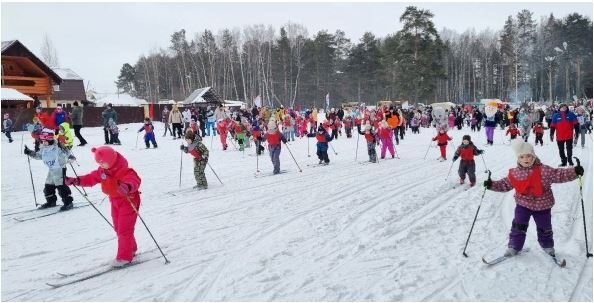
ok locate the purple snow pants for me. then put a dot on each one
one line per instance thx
(544, 229)
(489, 131)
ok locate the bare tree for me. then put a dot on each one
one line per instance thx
(49, 54)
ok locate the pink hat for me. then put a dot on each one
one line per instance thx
(105, 154)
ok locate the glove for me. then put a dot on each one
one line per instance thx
(71, 158)
(579, 170)
(480, 151)
(71, 181)
(284, 140)
(205, 159)
(454, 158)
(27, 151)
(488, 183)
(123, 188)
(183, 148)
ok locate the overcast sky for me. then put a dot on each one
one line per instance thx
(95, 39)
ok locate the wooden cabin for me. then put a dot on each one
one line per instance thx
(23, 71)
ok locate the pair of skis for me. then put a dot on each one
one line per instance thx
(490, 262)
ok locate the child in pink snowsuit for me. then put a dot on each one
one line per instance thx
(385, 133)
(451, 121)
(120, 183)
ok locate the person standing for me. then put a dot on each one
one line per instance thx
(77, 124)
(176, 119)
(563, 123)
(7, 127)
(165, 120)
(58, 117)
(108, 113)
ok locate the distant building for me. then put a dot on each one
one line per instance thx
(24, 72)
(72, 88)
(204, 96)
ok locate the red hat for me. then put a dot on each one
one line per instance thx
(105, 154)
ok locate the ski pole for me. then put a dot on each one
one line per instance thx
(588, 254)
(181, 161)
(211, 138)
(213, 171)
(32, 183)
(22, 139)
(427, 152)
(136, 146)
(484, 163)
(77, 178)
(357, 149)
(89, 201)
(257, 157)
(147, 229)
(293, 157)
(449, 171)
(335, 153)
(308, 155)
(475, 216)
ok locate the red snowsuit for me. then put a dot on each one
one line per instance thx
(222, 129)
(442, 142)
(122, 214)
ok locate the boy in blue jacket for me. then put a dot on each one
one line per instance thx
(149, 134)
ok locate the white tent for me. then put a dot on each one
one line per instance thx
(119, 100)
(445, 105)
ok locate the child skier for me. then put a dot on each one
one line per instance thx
(258, 137)
(322, 146)
(36, 132)
(121, 184)
(538, 131)
(200, 153)
(55, 156)
(65, 136)
(466, 151)
(274, 138)
(114, 131)
(149, 134)
(240, 134)
(348, 126)
(371, 142)
(513, 131)
(415, 123)
(532, 181)
(222, 129)
(7, 127)
(442, 139)
(385, 135)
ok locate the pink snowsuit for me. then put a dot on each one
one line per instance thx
(386, 135)
(451, 121)
(122, 214)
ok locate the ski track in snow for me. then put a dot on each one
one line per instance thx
(392, 231)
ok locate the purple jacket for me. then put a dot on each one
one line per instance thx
(549, 176)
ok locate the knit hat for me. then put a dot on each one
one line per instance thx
(272, 125)
(46, 135)
(105, 154)
(321, 129)
(466, 137)
(384, 124)
(522, 148)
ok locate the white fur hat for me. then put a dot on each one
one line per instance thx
(271, 125)
(522, 148)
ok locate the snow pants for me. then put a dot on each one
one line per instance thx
(63, 190)
(387, 144)
(199, 175)
(223, 138)
(371, 151)
(209, 126)
(538, 139)
(348, 132)
(275, 150)
(467, 167)
(323, 156)
(581, 134)
(544, 228)
(124, 219)
(562, 145)
(442, 150)
(241, 140)
(489, 131)
(150, 137)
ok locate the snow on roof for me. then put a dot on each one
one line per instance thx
(196, 96)
(13, 94)
(67, 74)
(118, 100)
(7, 44)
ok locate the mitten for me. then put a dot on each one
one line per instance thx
(488, 183)
(71, 181)
(579, 170)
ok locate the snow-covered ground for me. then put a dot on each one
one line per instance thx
(392, 231)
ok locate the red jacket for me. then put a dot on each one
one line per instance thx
(512, 131)
(467, 152)
(537, 129)
(442, 139)
(385, 133)
(563, 123)
(110, 179)
(274, 138)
